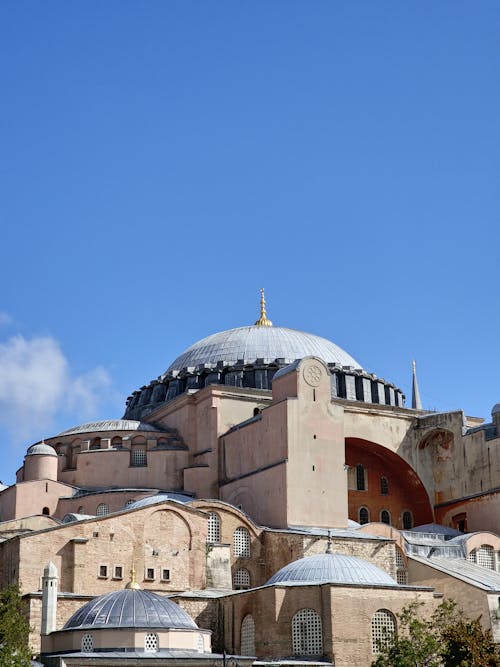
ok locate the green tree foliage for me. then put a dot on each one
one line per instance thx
(446, 639)
(14, 630)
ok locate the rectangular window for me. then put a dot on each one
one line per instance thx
(139, 457)
(165, 575)
(150, 574)
(103, 571)
(118, 573)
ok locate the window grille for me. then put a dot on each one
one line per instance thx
(102, 509)
(118, 572)
(241, 543)
(150, 574)
(364, 515)
(151, 643)
(401, 572)
(87, 644)
(307, 636)
(384, 486)
(103, 571)
(241, 579)
(484, 556)
(247, 646)
(360, 478)
(407, 520)
(385, 517)
(383, 629)
(213, 535)
(165, 575)
(139, 457)
(200, 644)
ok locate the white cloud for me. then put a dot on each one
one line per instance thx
(37, 386)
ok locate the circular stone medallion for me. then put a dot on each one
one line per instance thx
(312, 375)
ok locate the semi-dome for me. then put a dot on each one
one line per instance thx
(158, 498)
(260, 342)
(130, 608)
(111, 425)
(41, 448)
(332, 569)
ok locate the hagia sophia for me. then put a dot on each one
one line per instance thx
(264, 501)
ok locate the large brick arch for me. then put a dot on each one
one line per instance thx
(405, 490)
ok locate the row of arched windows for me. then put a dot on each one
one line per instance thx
(307, 632)
(241, 536)
(385, 517)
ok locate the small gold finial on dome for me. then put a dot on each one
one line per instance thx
(132, 584)
(263, 321)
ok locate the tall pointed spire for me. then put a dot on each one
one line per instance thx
(263, 321)
(416, 403)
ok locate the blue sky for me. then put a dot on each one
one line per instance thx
(161, 161)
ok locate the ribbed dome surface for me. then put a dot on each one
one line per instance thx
(130, 608)
(41, 448)
(111, 425)
(256, 342)
(159, 498)
(333, 569)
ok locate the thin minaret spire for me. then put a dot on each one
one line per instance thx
(416, 403)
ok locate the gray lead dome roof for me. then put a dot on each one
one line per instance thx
(332, 569)
(130, 608)
(259, 342)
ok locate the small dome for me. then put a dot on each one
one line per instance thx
(159, 498)
(41, 448)
(261, 342)
(495, 409)
(332, 569)
(130, 608)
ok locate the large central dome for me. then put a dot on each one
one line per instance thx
(268, 343)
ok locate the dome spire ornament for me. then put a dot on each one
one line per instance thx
(263, 321)
(132, 584)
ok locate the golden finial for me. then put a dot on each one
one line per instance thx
(263, 321)
(133, 583)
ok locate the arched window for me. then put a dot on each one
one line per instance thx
(247, 636)
(117, 442)
(383, 629)
(484, 556)
(80, 510)
(241, 543)
(364, 515)
(384, 486)
(385, 517)
(213, 535)
(241, 579)
(360, 478)
(307, 635)
(102, 509)
(407, 520)
(46, 511)
(401, 571)
(151, 643)
(87, 644)
(95, 444)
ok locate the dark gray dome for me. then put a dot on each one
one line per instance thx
(258, 342)
(332, 569)
(130, 608)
